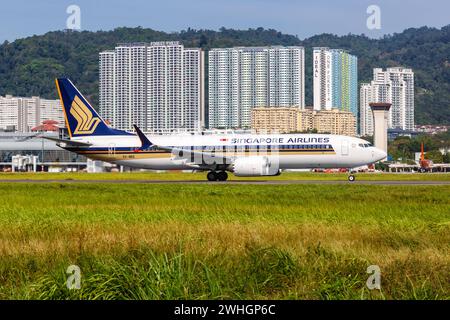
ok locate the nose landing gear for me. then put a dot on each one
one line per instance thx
(217, 176)
(351, 178)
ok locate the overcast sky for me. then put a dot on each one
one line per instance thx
(21, 18)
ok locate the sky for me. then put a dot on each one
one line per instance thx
(22, 18)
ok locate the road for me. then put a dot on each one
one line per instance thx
(255, 182)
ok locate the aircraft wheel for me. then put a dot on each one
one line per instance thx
(222, 176)
(351, 178)
(211, 176)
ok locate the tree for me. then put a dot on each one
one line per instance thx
(368, 138)
(446, 158)
(435, 156)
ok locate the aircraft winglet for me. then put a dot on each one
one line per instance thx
(144, 140)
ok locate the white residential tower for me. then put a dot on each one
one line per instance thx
(22, 114)
(243, 78)
(157, 86)
(395, 86)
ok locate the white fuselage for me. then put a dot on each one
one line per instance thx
(286, 151)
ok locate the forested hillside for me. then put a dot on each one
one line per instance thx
(28, 66)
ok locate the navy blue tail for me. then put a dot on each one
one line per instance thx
(81, 118)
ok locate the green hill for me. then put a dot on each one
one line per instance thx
(28, 66)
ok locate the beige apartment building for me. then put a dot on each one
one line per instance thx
(335, 121)
(293, 119)
(277, 119)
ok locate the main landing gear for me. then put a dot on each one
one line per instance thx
(217, 176)
(351, 178)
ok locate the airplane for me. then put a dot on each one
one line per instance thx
(244, 155)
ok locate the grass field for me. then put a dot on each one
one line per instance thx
(168, 241)
(202, 176)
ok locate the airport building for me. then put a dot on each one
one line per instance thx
(243, 78)
(28, 152)
(158, 86)
(335, 79)
(287, 120)
(395, 86)
(380, 125)
(22, 114)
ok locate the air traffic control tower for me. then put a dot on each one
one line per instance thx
(380, 112)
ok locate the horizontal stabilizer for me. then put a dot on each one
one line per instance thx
(68, 143)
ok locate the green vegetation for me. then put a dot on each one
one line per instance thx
(172, 241)
(28, 66)
(403, 147)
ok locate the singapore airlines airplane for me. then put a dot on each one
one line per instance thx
(244, 155)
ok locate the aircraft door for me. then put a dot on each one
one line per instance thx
(344, 148)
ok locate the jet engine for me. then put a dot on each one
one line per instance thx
(254, 166)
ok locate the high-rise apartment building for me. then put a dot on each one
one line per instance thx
(243, 78)
(395, 86)
(157, 86)
(335, 78)
(367, 94)
(22, 114)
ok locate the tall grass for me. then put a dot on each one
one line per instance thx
(138, 241)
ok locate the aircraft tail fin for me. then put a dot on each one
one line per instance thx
(81, 117)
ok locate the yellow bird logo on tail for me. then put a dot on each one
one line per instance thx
(86, 122)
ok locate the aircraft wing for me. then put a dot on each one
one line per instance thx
(200, 158)
(194, 158)
(67, 142)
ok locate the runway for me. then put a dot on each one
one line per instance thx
(254, 182)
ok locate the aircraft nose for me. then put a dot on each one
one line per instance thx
(379, 154)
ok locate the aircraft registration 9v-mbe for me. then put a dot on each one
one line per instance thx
(245, 155)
